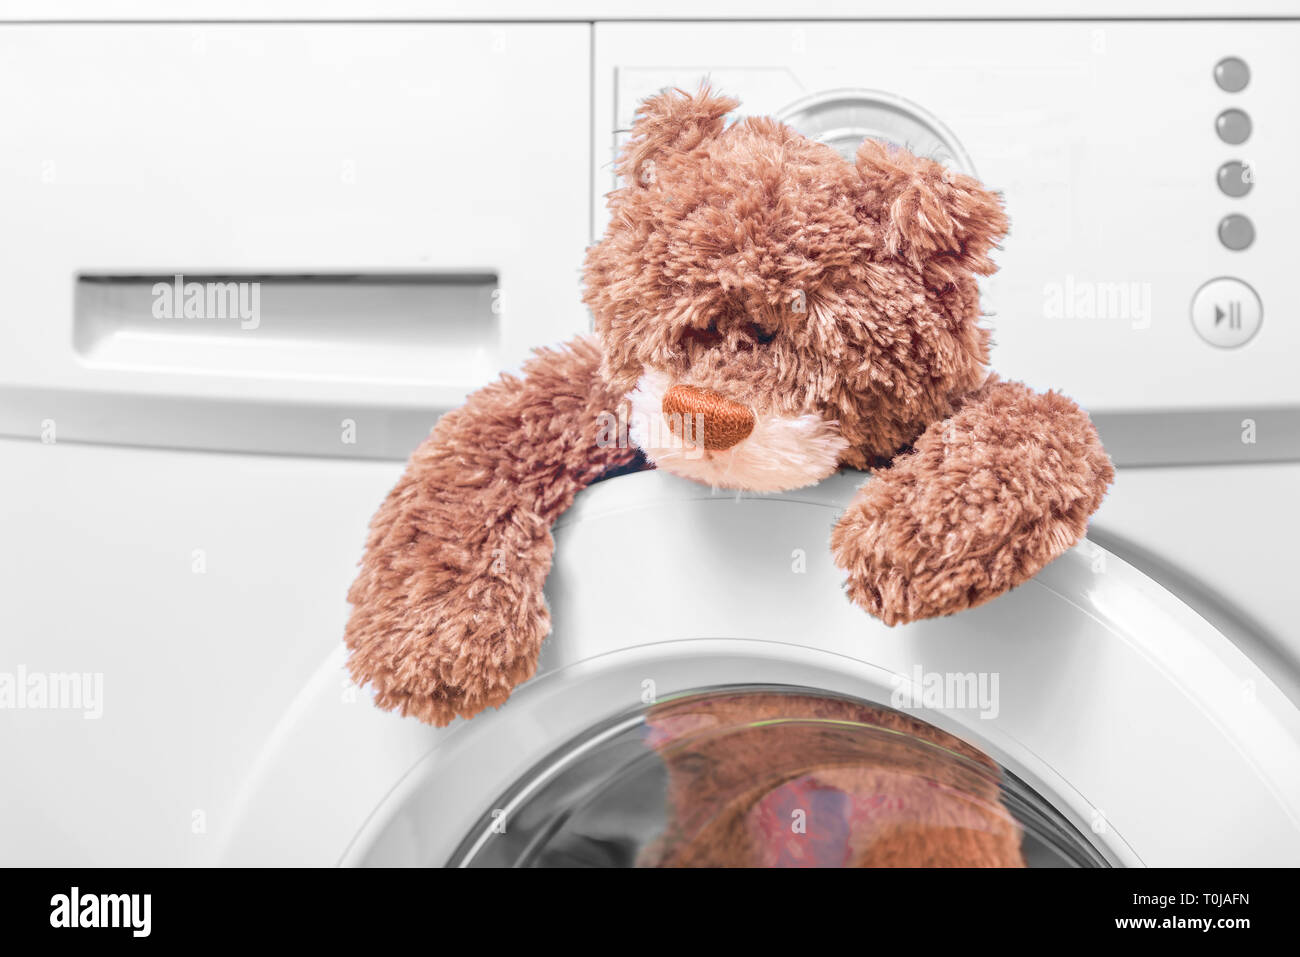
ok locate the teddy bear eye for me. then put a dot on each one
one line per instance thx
(704, 337)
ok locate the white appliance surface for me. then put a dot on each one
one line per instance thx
(287, 155)
(205, 590)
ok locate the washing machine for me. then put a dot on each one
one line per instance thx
(1126, 729)
(1137, 703)
(185, 493)
(1147, 676)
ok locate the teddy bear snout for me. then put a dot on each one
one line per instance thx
(702, 417)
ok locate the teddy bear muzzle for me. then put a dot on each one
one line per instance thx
(702, 417)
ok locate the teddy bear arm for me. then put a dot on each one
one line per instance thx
(448, 613)
(985, 500)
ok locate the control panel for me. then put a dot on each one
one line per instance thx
(1145, 167)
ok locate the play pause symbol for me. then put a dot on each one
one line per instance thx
(1232, 315)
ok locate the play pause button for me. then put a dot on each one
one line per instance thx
(1226, 312)
(1232, 314)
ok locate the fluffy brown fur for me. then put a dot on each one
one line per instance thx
(876, 788)
(448, 614)
(986, 499)
(837, 303)
(762, 266)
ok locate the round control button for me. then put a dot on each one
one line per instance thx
(1235, 178)
(1226, 313)
(1236, 231)
(1232, 74)
(1233, 126)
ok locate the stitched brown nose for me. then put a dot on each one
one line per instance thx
(706, 417)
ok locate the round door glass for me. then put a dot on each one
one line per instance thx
(844, 118)
(771, 777)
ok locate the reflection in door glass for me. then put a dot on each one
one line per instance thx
(772, 777)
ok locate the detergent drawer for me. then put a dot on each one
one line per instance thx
(291, 237)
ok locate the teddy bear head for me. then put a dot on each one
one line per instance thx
(772, 312)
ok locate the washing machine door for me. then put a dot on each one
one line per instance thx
(709, 695)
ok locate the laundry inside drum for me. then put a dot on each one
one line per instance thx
(760, 776)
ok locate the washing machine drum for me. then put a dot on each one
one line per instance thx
(708, 695)
(771, 777)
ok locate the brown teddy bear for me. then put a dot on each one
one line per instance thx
(772, 779)
(765, 313)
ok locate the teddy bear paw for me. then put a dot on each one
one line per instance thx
(450, 628)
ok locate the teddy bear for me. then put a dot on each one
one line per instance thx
(785, 779)
(765, 313)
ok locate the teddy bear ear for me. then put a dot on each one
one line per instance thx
(673, 121)
(931, 214)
